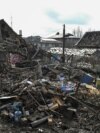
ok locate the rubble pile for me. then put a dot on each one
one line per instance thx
(39, 93)
(56, 102)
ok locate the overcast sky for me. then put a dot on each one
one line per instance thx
(46, 17)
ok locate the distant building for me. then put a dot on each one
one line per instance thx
(47, 43)
(89, 40)
(44, 43)
(70, 40)
(53, 41)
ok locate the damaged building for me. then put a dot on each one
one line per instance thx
(12, 43)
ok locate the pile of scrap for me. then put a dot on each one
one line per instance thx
(42, 94)
(58, 101)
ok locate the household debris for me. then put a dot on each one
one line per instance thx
(39, 93)
(59, 100)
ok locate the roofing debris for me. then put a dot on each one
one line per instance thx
(39, 93)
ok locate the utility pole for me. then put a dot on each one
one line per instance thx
(63, 56)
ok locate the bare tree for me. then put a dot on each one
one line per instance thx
(78, 32)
